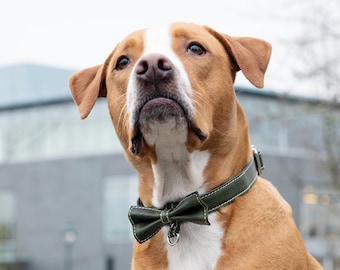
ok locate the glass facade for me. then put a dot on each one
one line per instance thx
(319, 224)
(120, 192)
(55, 131)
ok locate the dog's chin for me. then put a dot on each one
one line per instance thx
(162, 111)
(163, 121)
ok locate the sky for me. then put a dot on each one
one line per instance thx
(75, 34)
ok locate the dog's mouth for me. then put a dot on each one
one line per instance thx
(161, 109)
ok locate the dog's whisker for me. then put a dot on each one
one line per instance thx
(220, 132)
(203, 99)
(122, 116)
(119, 99)
(123, 113)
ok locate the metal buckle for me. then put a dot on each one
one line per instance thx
(258, 160)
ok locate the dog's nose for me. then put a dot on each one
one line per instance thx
(153, 66)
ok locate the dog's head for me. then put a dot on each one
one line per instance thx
(171, 85)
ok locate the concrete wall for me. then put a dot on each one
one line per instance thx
(49, 195)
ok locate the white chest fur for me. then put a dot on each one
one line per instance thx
(199, 246)
(177, 173)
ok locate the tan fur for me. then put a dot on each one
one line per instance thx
(259, 231)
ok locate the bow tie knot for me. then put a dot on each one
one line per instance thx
(147, 221)
(164, 216)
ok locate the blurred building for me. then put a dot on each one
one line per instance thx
(65, 187)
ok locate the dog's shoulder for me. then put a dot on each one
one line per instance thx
(263, 218)
(267, 193)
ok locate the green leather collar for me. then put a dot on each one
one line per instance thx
(147, 221)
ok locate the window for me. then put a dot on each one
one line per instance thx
(6, 220)
(319, 223)
(55, 131)
(120, 192)
(319, 213)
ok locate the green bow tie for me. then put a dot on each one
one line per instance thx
(147, 221)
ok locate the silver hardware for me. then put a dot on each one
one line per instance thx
(173, 240)
(258, 161)
(173, 234)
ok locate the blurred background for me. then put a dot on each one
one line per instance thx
(65, 187)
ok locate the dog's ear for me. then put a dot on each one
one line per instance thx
(251, 55)
(86, 86)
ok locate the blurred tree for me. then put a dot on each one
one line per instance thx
(318, 55)
(317, 47)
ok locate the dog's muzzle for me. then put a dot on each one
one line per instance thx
(159, 99)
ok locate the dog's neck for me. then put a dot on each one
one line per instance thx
(179, 172)
(176, 172)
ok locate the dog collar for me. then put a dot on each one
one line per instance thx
(147, 221)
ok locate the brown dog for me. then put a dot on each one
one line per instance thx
(202, 205)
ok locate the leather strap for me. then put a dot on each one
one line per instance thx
(232, 189)
(147, 221)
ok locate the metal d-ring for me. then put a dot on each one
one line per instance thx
(173, 234)
(172, 243)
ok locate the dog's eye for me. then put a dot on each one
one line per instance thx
(122, 63)
(196, 49)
